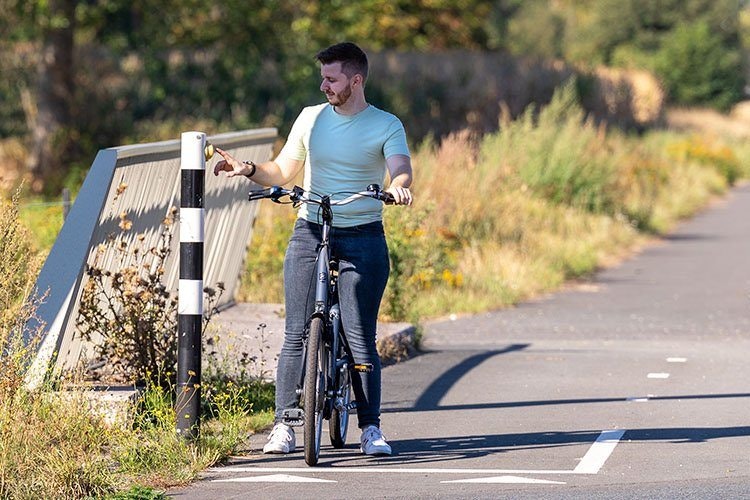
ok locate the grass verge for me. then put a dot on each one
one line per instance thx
(54, 444)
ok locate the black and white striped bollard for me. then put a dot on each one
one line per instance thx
(190, 295)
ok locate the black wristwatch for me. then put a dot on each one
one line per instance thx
(253, 168)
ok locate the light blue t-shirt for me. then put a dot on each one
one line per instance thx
(344, 154)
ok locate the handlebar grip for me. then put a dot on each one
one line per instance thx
(386, 198)
(274, 193)
(381, 195)
(259, 194)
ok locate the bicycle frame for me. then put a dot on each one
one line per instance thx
(328, 309)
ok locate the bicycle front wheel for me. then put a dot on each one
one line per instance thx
(314, 390)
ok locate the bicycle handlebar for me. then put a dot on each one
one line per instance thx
(299, 195)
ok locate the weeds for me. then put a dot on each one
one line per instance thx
(128, 312)
(235, 379)
(53, 446)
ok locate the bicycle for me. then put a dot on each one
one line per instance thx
(325, 388)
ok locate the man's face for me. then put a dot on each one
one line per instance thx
(335, 85)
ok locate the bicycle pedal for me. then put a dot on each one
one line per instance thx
(363, 367)
(350, 406)
(293, 417)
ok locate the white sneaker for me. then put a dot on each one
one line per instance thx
(281, 440)
(372, 442)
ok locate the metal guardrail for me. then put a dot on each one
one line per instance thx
(151, 174)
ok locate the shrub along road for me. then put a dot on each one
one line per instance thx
(632, 385)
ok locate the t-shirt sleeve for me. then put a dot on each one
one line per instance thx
(395, 142)
(294, 148)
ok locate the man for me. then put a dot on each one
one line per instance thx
(344, 144)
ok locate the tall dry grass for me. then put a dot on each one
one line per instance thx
(48, 447)
(551, 197)
(18, 268)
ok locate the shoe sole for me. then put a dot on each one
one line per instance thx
(377, 453)
(277, 452)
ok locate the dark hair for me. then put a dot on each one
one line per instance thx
(353, 59)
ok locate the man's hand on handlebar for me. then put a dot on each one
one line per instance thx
(230, 165)
(401, 195)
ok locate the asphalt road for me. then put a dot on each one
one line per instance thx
(632, 385)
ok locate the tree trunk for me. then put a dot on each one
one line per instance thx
(52, 123)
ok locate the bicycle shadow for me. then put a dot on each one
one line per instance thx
(435, 450)
(426, 451)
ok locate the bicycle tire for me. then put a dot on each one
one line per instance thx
(339, 422)
(314, 391)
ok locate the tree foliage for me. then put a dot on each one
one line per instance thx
(244, 63)
(697, 68)
(693, 45)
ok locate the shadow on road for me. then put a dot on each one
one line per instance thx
(551, 402)
(689, 237)
(440, 386)
(413, 451)
(436, 450)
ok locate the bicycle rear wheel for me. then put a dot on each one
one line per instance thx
(314, 390)
(339, 422)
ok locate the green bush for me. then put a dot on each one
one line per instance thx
(564, 161)
(698, 68)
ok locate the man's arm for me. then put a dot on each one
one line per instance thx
(271, 173)
(399, 168)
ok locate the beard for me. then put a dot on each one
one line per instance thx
(340, 99)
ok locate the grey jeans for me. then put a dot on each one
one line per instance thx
(363, 273)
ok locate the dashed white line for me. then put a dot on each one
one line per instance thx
(274, 478)
(504, 480)
(676, 360)
(658, 375)
(599, 452)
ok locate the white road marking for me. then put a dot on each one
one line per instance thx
(599, 452)
(504, 479)
(676, 360)
(274, 478)
(591, 463)
(638, 399)
(658, 375)
(385, 470)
